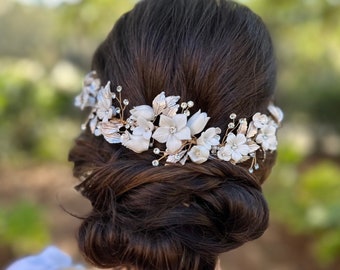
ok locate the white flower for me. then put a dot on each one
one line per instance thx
(165, 105)
(144, 111)
(197, 122)
(235, 148)
(171, 106)
(260, 120)
(199, 154)
(91, 83)
(137, 144)
(51, 258)
(276, 112)
(267, 138)
(105, 110)
(110, 130)
(87, 98)
(84, 100)
(209, 138)
(143, 128)
(172, 131)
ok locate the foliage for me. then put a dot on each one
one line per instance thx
(35, 114)
(305, 197)
(22, 227)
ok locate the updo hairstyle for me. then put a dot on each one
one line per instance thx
(218, 54)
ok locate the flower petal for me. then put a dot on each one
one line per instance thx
(180, 120)
(172, 100)
(183, 134)
(240, 139)
(159, 103)
(253, 146)
(276, 112)
(161, 134)
(135, 143)
(198, 154)
(143, 111)
(112, 138)
(173, 144)
(252, 130)
(236, 156)
(231, 139)
(242, 129)
(243, 149)
(197, 122)
(224, 154)
(165, 121)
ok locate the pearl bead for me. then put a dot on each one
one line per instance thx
(231, 125)
(184, 105)
(190, 104)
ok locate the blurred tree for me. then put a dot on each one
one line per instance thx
(307, 38)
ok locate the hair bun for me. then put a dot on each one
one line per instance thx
(158, 213)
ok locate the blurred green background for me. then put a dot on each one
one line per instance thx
(46, 48)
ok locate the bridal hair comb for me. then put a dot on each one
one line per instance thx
(184, 135)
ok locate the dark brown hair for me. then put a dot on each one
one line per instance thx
(218, 54)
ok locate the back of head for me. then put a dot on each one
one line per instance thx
(218, 54)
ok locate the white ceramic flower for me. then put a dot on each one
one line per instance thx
(110, 130)
(105, 110)
(267, 138)
(84, 100)
(171, 106)
(143, 128)
(159, 103)
(276, 112)
(87, 98)
(199, 154)
(209, 138)
(260, 120)
(91, 83)
(165, 105)
(144, 111)
(235, 148)
(197, 122)
(137, 144)
(172, 131)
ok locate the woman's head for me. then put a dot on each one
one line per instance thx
(219, 55)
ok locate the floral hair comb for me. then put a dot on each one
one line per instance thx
(184, 138)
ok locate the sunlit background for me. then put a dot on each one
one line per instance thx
(46, 48)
